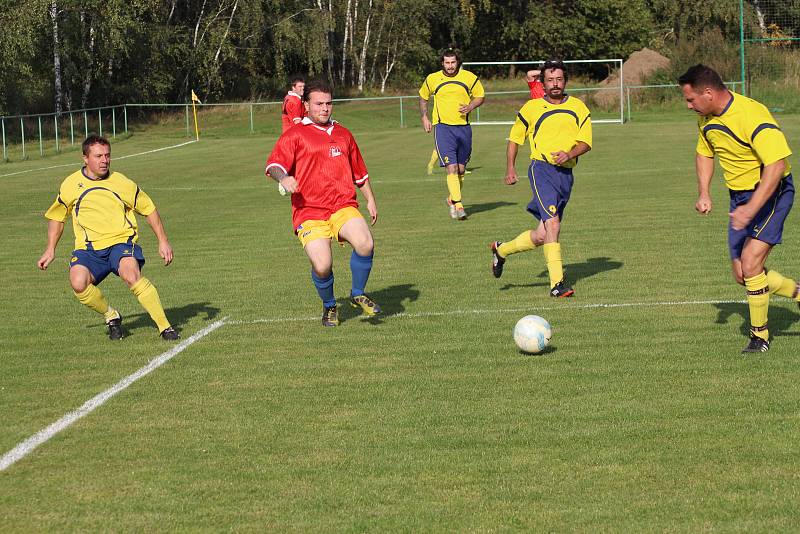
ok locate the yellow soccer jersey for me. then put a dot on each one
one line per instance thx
(103, 211)
(745, 137)
(450, 92)
(552, 127)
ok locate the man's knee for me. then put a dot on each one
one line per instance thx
(129, 272)
(79, 278)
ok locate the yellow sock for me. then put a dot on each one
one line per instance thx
(780, 285)
(454, 187)
(521, 243)
(434, 159)
(461, 181)
(148, 298)
(93, 298)
(555, 266)
(758, 301)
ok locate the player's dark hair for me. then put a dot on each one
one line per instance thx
(551, 64)
(93, 140)
(295, 79)
(450, 52)
(700, 76)
(317, 86)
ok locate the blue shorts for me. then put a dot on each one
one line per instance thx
(453, 143)
(105, 261)
(552, 186)
(767, 225)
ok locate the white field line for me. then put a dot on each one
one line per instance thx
(565, 307)
(115, 158)
(27, 446)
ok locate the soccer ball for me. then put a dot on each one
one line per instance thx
(532, 334)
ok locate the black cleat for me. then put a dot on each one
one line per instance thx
(497, 260)
(330, 316)
(756, 344)
(115, 328)
(561, 291)
(170, 334)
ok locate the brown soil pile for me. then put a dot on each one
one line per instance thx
(636, 69)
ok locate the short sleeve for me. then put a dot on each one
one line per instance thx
(519, 132)
(704, 148)
(283, 154)
(769, 143)
(58, 211)
(425, 90)
(477, 89)
(142, 203)
(357, 165)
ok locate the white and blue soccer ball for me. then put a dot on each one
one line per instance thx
(532, 334)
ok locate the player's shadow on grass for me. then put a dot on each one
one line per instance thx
(472, 209)
(392, 300)
(177, 316)
(781, 319)
(575, 272)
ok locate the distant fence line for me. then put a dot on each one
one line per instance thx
(48, 124)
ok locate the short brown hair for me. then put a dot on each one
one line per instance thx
(93, 140)
(700, 76)
(317, 86)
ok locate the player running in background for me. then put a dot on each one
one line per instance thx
(103, 206)
(320, 164)
(753, 154)
(293, 109)
(559, 129)
(456, 93)
(534, 83)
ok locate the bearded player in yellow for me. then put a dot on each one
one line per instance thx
(559, 129)
(456, 92)
(103, 205)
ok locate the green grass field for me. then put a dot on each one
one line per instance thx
(642, 415)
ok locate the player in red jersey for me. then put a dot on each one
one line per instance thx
(319, 163)
(293, 110)
(534, 83)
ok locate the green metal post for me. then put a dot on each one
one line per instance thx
(401, 112)
(114, 122)
(188, 133)
(251, 119)
(85, 125)
(628, 99)
(41, 146)
(100, 122)
(5, 150)
(125, 114)
(22, 130)
(55, 123)
(71, 130)
(741, 43)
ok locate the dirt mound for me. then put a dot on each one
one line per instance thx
(636, 69)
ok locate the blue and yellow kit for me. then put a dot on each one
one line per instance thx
(449, 93)
(103, 211)
(746, 137)
(552, 127)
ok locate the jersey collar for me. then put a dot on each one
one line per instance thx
(727, 106)
(292, 93)
(329, 129)
(83, 172)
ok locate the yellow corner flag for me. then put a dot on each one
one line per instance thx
(194, 112)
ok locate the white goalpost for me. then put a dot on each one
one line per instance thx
(504, 95)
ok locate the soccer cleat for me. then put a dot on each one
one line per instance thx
(756, 344)
(330, 316)
(561, 291)
(282, 190)
(452, 208)
(369, 306)
(115, 328)
(170, 334)
(461, 215)
(497, 260)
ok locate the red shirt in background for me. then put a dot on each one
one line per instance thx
(293, 110)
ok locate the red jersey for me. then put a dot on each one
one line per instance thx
(537, 89)
(293, 110)
(326, 163)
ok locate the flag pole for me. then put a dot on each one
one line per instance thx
(194, 112)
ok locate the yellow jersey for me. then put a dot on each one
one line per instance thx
(451, 92)
(103, 211)
(745, 137)
(552, 127)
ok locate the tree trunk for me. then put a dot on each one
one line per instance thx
(348, 20)
(87, 76)
(362, 63)
(53, 10)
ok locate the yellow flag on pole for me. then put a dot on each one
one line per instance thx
(194, 112)
(195, 98)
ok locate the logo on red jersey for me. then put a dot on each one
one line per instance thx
(335, 151)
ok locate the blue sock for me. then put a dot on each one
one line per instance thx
(324, 288)
(360, 266)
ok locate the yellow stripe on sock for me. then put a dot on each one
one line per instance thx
(758, 302)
